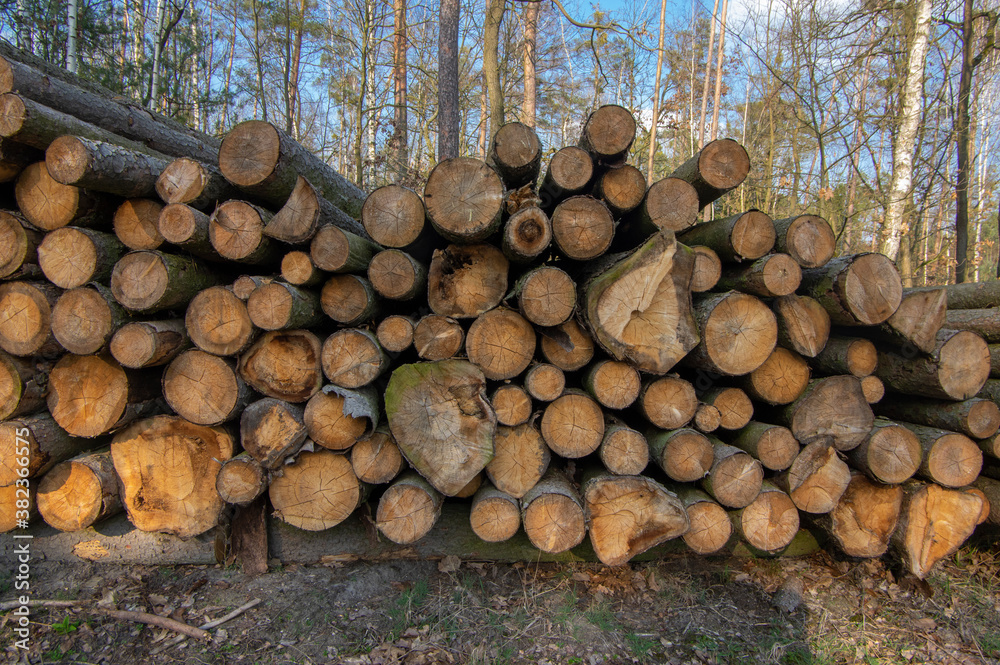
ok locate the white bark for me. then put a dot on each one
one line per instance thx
(72, 59)
(656, 95)
(900, 191)
(154, 87)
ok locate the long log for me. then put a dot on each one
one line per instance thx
(916, 323)
(847, 355)
(707, 269)
(349, 300)
(103, 167)
(262, 160)
(152, 281)
(193, 183)
(861, 289)
(969, 295)
(280, 306)
(984, 322)
(544, 382)
(773, 446)
(710, 525)
(956, 369)
(744, 236)
(624, 451)
(512, 404)
(305, 212)
(188, 228)
(395, 333)
(670, 203)
(735, 477)
(769, 276)
(335, 250)
(298, 269)
(526, 235)
(639, 310)
(48, 205)
(241, 480)
(622, 189)
(949, 459)
(614, 384)
(168, 468)
(516, 154)
(236, 231)
(735, 408)
(437, 337)
(890, 455)
(716, 169)
(669, 402)
(455, 443)
(376, 459)
(149, 343)
(352, 358)
(806, 238)
(396, 275)
(977, 418)
(15, 157)
(685, 455)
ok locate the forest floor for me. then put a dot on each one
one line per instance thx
(677, 610)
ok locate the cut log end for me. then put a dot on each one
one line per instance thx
(465, 281)
(547, 297)
(669, 403)
(249, 153)
(817, 478)
(501, 342)
(408, 510)
(671, 203)
(464, 198)
(137, 223)
(83, 321)
(710, 527)
(329, 425)
(520, 459)
(608, 133)
(527, 234)
(376, 459)
(803, 324)
(545, 382)
(241, 480)
(512, 405)
(781, 379)
(808, 239)
(139, 280)
(284, 364)
(707, 269)
(614, 384)
(865, 517)
(395, 333)
(25, 317)
(87, 394)
(684, 455)
(770, 522)
(203, 388)
(393, 216)
(573, 425)
(438, 337)
(739, 334)
(582, 228)
(318, 491)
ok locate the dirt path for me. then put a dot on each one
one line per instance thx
(678, 610)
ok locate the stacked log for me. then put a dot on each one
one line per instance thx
(533, 341)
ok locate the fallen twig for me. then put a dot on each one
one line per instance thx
(206, 626)
(138, 617)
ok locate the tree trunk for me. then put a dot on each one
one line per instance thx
(168, 469)
(236, 231)
(149, 343)
(266, 163)
(741, 237)
(863, 289)
(85, 319)
(639, 309)
(655, 121)
(622, 189)
(151, 281)
(977, 418)
(335, 250)
(984, 322)
(104, 167)
(448, 115)
(318, 491)
(629, 515)
(890, 455)
(464, 199)
(71, 256)
(806, 238)
(284, 364)
(739, 332)
(400, 137)
(194, 183)
(956, 369)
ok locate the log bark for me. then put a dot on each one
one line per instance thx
(806, 238)
(265, 162)
(394, 216)
(23, 384)
(335, 250)
(152, 281)
(395, 333)
(707, 269)
(582, 228)
(933, 523)
(149, 343)
(738, 333)
(544, 382)
(317, 491)
(37, 440)
(628, 515)
(816, 479)
(464, 282)
(520, 459)
(408, 510)
(137, 223)
(770, 522)
(608, 134)
(512, 404)
(437, 337)
(79, 492)
(396, 275)
(832, 410)
(890, 455)
(781, 379)
(773, 446)
(284, 364)
(716, 169)
(495, 516)
(26, 318)
(501, 343)
(92, 395)
(864, 519)
(639, 308)
(305, 212)
(272, 430)
(569, 172)
(236, 231)
(18, 246)
(685, 455)
(861, 289)
(546, 295)
(103, 167)
(218, 322)
(280, 306)
(568, 346)
(441, 420)
(552, 514)
(194, 183)
(337, 418)
(847, 355)
(746, 236)
(241, 480)
(983, 322)
(188, 228)
(968, 295)
(298, 269)
(803, 324)
(735, 477)
(991, 490)
(614, 384)
(573, 425)
(85, 319)
(48, 205)
(58, 90)
(526, 235)
(710, 525)
(376, 459)
(205, 389)
(956, 369)
(464, 198)
(72, 256)
(949, 459)
(621, 189)
(669, 402)
(735, 408)
(353, 358)
(168, 469)
(516, 154)
(769, 276)
(976, 418)
(623, 451)
(15, 157)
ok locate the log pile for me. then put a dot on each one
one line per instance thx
(188, 324)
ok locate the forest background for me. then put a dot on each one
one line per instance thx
(881, 116)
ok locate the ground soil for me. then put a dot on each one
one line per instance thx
(683, 609)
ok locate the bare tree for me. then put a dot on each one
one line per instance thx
(448, 116)
(491, 62)
(654, 122)
(530, 81)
